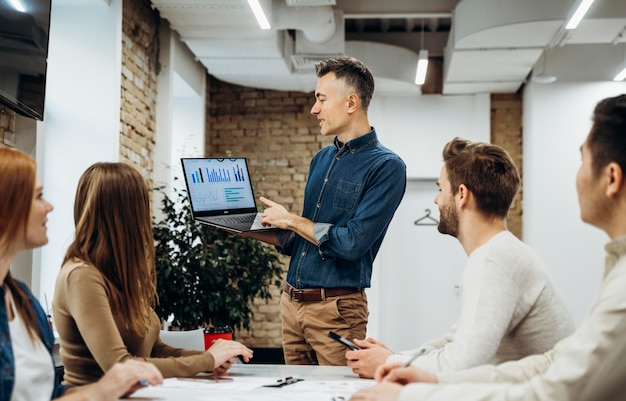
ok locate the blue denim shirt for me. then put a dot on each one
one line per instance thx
(351, 194)
(7, 366)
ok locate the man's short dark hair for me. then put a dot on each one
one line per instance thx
(353, 72)
(607, 139)
(487, 170)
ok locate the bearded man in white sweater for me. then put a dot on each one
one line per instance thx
(509, 306)
(589, 365)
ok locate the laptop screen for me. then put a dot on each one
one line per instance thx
(218, 186)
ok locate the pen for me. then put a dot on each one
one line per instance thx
(143, 383)
(414, 357)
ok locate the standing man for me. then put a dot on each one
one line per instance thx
(353, 190)
(589, 365)
(509, 306)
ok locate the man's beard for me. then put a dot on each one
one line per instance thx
(448, 220)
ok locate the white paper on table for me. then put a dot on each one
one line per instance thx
(332, 388)
(243, 389)
(237, 384)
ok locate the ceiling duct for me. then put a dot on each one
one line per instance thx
(486, 45)
(317, 24)
(318, 30)
(305, 62)
(307, 53)
(225, 37)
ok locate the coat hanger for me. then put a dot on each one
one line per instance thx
(426, 220)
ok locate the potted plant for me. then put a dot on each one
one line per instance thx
(206, 276)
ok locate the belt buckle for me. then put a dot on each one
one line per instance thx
(295, 293)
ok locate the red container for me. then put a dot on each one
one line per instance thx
(213, 333)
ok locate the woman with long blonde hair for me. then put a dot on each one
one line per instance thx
(27, 369)
(106, 291)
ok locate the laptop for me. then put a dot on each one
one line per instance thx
(220, 193)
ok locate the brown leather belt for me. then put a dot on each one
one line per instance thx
(315, 294)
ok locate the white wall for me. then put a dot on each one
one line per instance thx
(26, 141)
(557, 119)
(180, 112)
(417, 127)
(413, 296)
(81, 120)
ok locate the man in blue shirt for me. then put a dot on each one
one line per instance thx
(353, 190)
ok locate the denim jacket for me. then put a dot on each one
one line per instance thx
(351, 194)
(7, 367)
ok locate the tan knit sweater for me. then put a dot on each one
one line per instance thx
(92, 341)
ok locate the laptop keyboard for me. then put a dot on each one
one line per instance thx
(237, 219)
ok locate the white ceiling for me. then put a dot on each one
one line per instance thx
(486, 45)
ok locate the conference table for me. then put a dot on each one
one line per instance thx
(261, 382)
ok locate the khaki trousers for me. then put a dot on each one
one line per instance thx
(306, 326)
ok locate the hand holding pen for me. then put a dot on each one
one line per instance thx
(120, 381)
(404, 373)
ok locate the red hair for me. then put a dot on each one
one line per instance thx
(18, 175)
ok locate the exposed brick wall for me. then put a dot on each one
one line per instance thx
(279, 136)
(7, 126)
(273, 129)
(506, 131)
(140, 67)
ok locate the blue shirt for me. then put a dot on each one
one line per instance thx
(7, 365)
(351, 194)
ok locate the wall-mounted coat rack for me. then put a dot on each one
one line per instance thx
(426, 220)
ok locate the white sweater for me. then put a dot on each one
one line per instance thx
(509, 309)
(589, 365)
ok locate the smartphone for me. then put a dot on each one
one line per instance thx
(343, 341)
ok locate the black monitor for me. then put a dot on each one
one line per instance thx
(24, 30)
